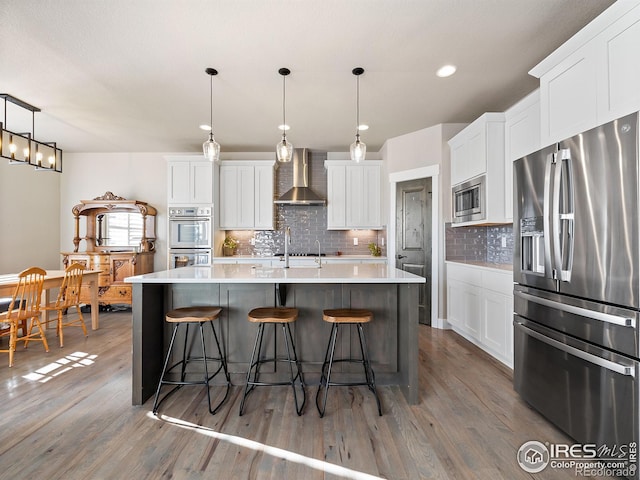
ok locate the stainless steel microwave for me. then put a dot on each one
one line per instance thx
(469, 201)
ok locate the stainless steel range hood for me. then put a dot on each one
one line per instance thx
(300, 193)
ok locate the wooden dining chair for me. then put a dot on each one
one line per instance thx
(68, 296)
(25, 307)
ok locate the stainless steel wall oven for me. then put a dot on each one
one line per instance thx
(190, 227)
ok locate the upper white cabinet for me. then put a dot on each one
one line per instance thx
(479, 150)
(246, 195)
(568, 93)
(190, 180)
(619, 83)
(353, 194)
(521, 137)
(593, 78)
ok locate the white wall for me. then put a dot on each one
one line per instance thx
(134, 176)
(29, 218)
(424, 148)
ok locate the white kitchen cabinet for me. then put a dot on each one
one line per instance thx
(592, 78)
(353, 195)
(246, 195)
(464, 312)
(479, 150)
(568, 94)
(619, 81)
(190, 180)
(476, 149)
(521, 137)
(480, 308)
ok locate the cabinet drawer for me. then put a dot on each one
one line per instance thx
(465, 274)
(498, 282)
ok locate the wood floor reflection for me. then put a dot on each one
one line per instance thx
(68, 414)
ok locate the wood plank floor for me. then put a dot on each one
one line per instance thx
(67, 414)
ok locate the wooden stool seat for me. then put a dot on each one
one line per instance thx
(347, 315)
(273, 315)
(193, 314)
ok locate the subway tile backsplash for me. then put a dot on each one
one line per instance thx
(492, 244)
(308, 223)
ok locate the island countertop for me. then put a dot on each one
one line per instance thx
(247, 273)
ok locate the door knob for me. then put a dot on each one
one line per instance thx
(400, 257)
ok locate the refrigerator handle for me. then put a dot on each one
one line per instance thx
(555, 218)
(546, 216)
(626, 370)
(566, 216)
(583, 312)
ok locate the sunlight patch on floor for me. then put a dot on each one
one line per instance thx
(60, 366)
(273, 451)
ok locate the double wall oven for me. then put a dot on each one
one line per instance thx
(190, 232)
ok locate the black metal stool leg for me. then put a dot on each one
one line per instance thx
(156, 403)
(223, 361)
(184, 353)
(332, 348)
(290, 361)
(251, 364)
(369, 375)
(206, 369)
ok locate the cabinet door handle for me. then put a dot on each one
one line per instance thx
(400, 257)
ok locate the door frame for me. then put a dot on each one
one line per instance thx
(432, 171)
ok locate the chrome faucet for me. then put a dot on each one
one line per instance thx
(319, 259)
(287, 241)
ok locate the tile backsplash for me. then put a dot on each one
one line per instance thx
(308, 223)
(492, 244)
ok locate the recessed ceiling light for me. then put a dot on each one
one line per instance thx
(446, 71)
(283, 127)
(363, 127)
(205, 127)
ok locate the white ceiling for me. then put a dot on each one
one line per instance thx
(128, 75)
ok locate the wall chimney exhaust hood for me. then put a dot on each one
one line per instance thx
(300, 193)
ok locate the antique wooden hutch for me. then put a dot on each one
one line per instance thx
(116, 259)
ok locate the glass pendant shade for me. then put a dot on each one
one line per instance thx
(211, 149)
(284, 150)
(358, 150)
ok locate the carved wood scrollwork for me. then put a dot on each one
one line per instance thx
(109, 196)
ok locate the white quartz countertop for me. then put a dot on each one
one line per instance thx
(246, 273)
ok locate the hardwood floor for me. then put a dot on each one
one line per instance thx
(80, 424)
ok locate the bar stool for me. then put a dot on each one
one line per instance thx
(338, 317)
(196, 316)
(283, 316)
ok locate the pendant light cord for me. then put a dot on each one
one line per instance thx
(357, 106)
(211, 104)
(284, 101)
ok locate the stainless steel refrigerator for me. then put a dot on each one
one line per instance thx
(577, 292)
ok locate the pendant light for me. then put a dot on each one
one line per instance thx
(358, 149)
(284, 149)
(211, 148)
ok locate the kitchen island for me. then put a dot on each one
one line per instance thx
(390, 293)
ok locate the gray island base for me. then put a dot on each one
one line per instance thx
(390, 293)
